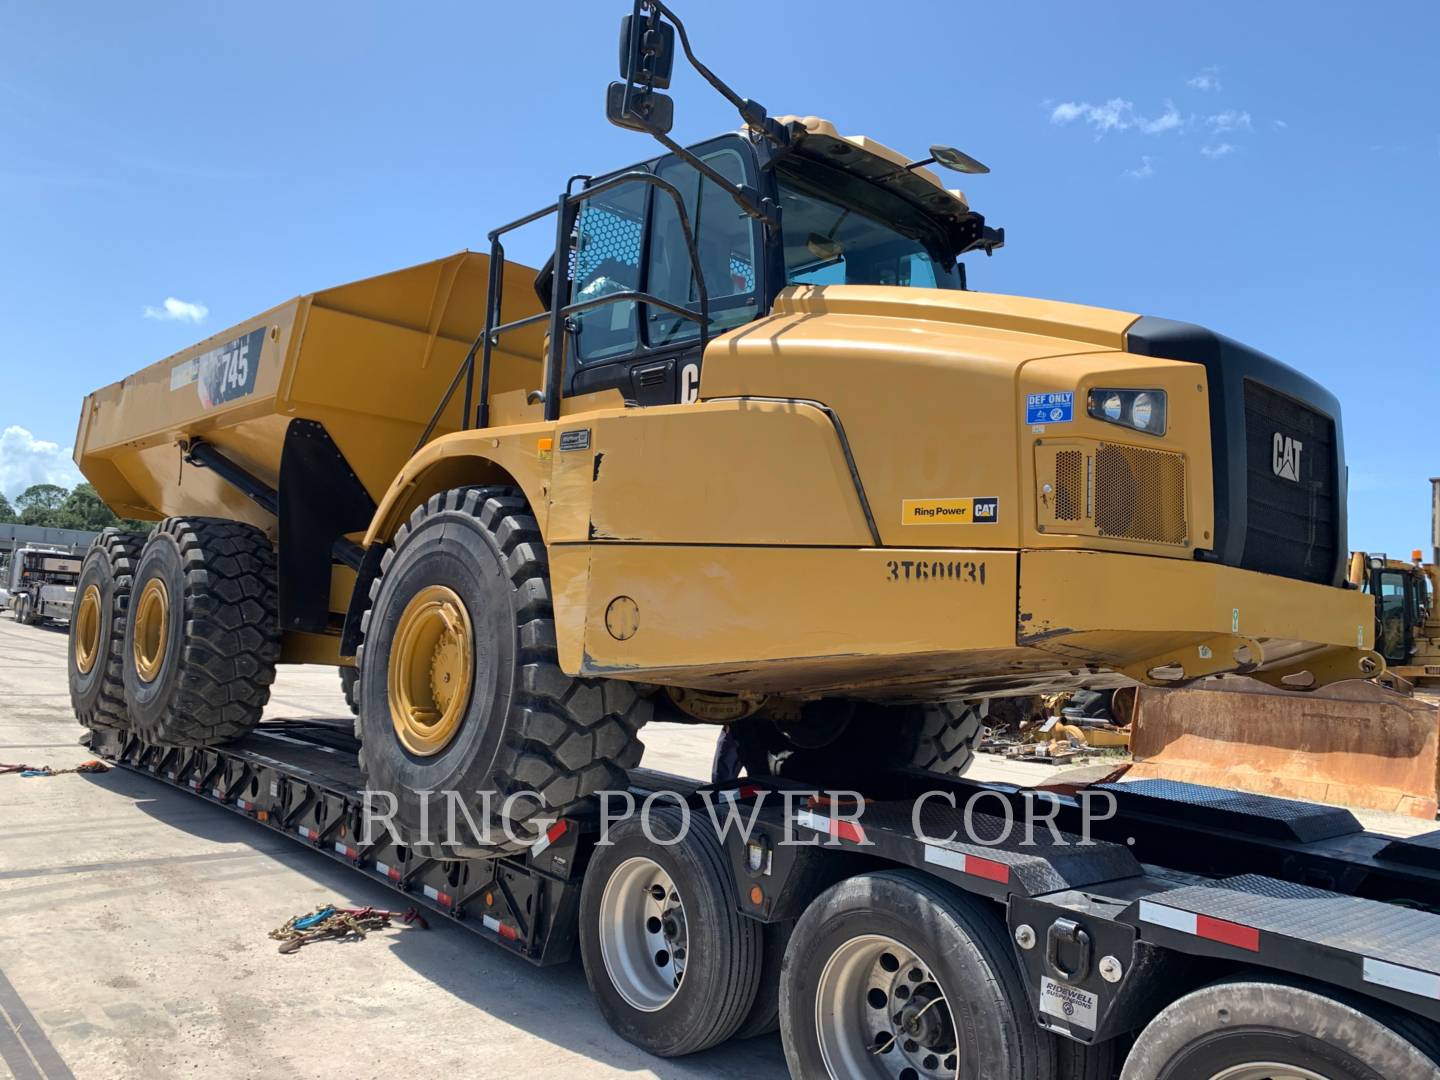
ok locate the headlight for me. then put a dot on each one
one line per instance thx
(1142, 410)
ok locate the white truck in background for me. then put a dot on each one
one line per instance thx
(39, 583)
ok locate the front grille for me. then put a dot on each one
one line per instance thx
(1291, 505)
(1140, 494)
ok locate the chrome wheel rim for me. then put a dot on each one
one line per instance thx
(880, 1013)
(644, 940)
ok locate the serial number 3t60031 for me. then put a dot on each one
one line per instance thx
(934, 570)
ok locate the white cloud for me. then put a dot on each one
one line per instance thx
(1229, 120)
(1219, 150)
(1166, 121)
(174, 310)
(1279, 125)
(26, 460)
(1206, 81)
(1117, 114)
(1144, 171)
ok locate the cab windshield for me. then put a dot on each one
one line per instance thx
(830, 243)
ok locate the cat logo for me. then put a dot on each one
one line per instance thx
(1285, 461)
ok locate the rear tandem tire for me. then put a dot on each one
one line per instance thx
(901, 944)
(531, 739)
(209, 587)
(939, 738)
(98, 692)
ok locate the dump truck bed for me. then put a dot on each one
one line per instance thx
(370, 361)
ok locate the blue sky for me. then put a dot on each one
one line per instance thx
(1269, 170)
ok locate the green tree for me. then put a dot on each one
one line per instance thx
(7, 512)
(39, 503)
(83, 509)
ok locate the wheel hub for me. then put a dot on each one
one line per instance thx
(644, 936)
(880, 1014)
(152, 629)
(430, 670)
(87, 629)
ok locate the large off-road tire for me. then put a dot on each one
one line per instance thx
(939, 738)
(895, 974)
(461, 690)
(1295, 1029)
(350, 687)
(97, 629)
(202, 636)
(672, 965)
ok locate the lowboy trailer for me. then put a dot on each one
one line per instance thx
(908, 931)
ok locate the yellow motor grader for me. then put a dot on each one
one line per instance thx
(746, 448)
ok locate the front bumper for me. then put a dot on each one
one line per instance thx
(1163, 621)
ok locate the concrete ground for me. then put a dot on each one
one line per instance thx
(134, 922)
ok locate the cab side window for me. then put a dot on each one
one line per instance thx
(725, 240)
(606, 259)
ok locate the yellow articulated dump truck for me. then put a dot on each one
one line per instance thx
(746, 450)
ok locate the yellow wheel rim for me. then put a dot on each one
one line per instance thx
(430, 670)
(152, 629)
(87, 629)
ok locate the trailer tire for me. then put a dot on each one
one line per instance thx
(350, 687)
(665, 1014)
(202, 635)
(764, 1016)
(902, 936)
(22, 611)
(1256, 1019)
(96, 644)
(538, 740)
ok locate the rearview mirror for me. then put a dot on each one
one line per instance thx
(649, 110)
(957, 160)
(647, 51)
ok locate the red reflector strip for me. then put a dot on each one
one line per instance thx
(438, 896)
(553, 833)
(389, 871)
(1201, 926)
(308, 834)
(348, 852)
(973, 865)
(505, 930)
(219, 794)
(835, 828)
(1228, 933)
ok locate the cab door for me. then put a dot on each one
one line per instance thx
(630, 239)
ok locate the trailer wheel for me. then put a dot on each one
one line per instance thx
(202, 635)
(97, 629)
(1254, 1028)
(460, 683)
(672, 964)
(894, 976)
(350, 687)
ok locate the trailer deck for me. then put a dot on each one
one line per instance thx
(1180, 882)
